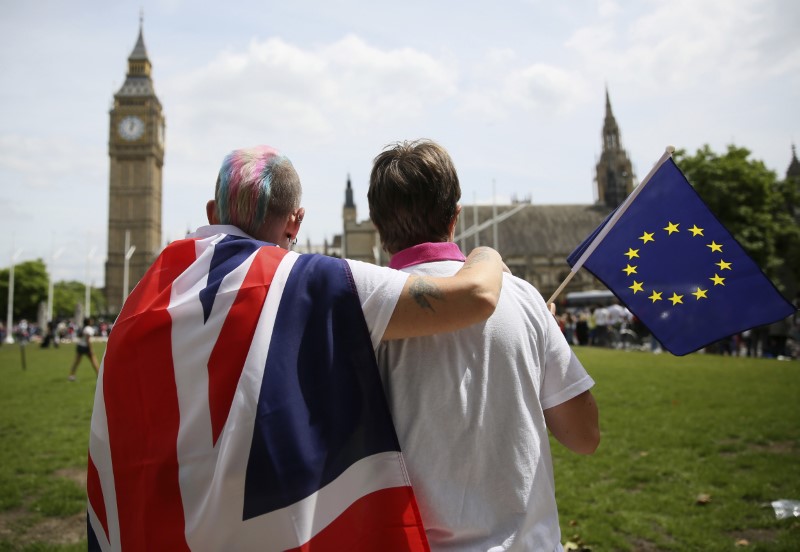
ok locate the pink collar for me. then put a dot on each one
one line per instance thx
(425, 253)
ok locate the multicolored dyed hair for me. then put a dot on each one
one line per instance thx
(254, 185)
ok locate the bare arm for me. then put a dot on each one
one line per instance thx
(430, 305)
(575, 423)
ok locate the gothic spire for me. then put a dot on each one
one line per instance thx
(794, 166)
(139, 52)
(614, 171)
(348, 194)
(611, 140)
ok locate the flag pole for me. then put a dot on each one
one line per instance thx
(612, 221)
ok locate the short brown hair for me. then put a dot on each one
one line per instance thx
(413, 194)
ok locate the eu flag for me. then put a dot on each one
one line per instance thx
(675, 267)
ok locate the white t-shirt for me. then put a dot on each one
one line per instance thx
(468, 409)
(86, 334)
(379, 289)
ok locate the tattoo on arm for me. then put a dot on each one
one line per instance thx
(421, 288)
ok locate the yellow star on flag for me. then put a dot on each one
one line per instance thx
(632, 253)
(714, 246)
(676, 298)
(628, 270)
(646, 237)
(655, 296)
(723, 265)
(671, 228)
(700, 293)
(718, 281)
(696, 231)
(636, 287)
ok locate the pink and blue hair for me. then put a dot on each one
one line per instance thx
(244, 186)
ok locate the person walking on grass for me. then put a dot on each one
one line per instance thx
(84, 349)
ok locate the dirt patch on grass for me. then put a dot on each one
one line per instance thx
(775, 447)
(643, 545)
(755, 535)
(78, 475)
(22, 527)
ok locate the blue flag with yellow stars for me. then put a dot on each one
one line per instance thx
(678, 270)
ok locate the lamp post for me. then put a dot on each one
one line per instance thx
(129, 249)
(10, 313)
(53, 258)
(87, 286)
(494, 216)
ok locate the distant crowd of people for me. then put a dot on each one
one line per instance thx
(616, 327)
(52, 333)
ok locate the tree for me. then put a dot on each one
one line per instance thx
(68, 294)
(748, 199)
(30, 289)
(788, 212)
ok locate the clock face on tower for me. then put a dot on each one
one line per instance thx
(131, 128)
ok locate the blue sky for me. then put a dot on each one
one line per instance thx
(515, 90)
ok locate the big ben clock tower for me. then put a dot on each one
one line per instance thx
(136, 152)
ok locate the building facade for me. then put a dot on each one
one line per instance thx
(136, 160)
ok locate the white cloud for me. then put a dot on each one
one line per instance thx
(501, 84)
(279, 88)
(608, 8)
(47, 163)
(683, 43)
(544, 88)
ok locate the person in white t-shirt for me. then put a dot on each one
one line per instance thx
(84, 349)
(472, 408)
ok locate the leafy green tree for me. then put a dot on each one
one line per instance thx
(30, 289)
(787, 210)
(750, 201)
(68, 294)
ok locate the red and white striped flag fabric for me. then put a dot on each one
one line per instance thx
(239, 407)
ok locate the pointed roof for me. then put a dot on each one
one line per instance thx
(794, 165)
(137, 80)
(348, 194)
(610, 124)
(139, 51)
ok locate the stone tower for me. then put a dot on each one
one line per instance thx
(136, 152)
(614, 177)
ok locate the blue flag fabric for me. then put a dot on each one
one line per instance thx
(678, 270)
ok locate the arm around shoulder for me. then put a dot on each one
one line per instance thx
(575, 423)
(429, 305)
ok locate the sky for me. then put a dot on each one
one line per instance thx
(514, 89)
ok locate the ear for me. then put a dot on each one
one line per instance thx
(452, 226)
(211, 212)
(293, 223)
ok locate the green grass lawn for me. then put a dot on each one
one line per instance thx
(674, 430)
